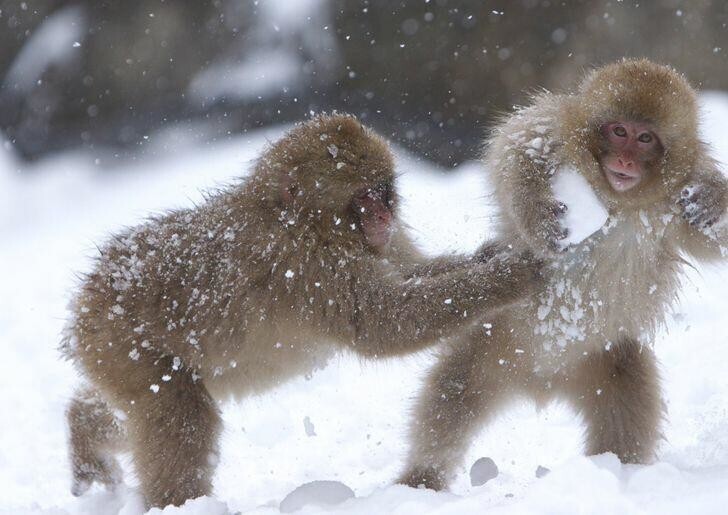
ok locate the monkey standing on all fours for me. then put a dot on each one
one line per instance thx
(264, 281)
(632, 131)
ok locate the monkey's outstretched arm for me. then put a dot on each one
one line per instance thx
(403, 253)
(395, 318)
(446, 264)
(703, 200)
(413, 264)
(523, 187)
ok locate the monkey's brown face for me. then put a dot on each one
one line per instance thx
(373, 207)
(630, 151)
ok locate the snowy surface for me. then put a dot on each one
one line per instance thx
(52, 213)
(482, 471)
(585, 214)
(316, 494)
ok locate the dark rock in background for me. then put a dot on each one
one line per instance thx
(431, 75)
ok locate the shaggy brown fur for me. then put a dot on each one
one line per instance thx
(263, 282)
(586, 336)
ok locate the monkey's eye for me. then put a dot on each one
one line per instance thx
(620, 131)
(645, 137)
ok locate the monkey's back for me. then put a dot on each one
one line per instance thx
(154, 288)
(201, 284)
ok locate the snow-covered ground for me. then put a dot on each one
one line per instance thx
(347, 423)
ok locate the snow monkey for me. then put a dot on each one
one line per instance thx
(262, 282)
(631, 131)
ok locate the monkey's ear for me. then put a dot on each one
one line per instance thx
(349, 127)
(287, 189)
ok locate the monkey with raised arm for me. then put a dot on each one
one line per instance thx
(631, 130)
(264, 281)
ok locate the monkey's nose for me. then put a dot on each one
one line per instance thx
(625, 163)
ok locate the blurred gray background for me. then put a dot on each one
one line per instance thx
(430, 74)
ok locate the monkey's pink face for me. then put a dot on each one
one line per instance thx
(373, 207)
(630, 150)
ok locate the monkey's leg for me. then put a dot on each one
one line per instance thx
(95, 435)
(618, 394)
(459, 394)
(174, 425)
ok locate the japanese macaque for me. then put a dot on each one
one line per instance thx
(586, 336)
(264, 281)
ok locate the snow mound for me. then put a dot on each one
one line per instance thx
(585, 214)
(482, 471)
(316, 493)
(542, 471)
(199, 506)
(308, 426)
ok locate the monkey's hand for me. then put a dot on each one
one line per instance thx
(522, 270)
(544, 227)
(703, 203)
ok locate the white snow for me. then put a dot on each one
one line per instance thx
(585, 214)
(201, 506)
(308, 426)
(317, 494)
(482, 471)
(541, 471)
(53, 211)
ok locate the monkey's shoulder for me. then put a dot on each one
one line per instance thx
(530, 135)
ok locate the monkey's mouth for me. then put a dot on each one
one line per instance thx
(622, 180)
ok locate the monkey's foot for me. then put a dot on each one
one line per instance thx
(105, 471)
(426, 477)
